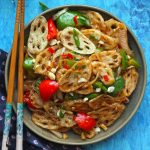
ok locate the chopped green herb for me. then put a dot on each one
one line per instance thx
(94, 37)
(76, 38)
(134, 62)
(61, 113)
(84, 66)
(43, 6)
(119, 85)
(99, 49)
(91, 96)
(99, 84)
(70, 62)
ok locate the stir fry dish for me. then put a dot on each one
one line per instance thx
(79, 72)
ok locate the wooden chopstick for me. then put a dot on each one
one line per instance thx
(19, 135)
(10, 91)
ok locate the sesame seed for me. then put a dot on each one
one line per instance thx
(82, 80)
(97, 130)
(53, 70)
(101, 42)
(110, 89)
(85, 99)
(53, 42)
(97, 90)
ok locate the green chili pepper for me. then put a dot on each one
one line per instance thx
(94, 37)
(70, 62)
(43, 6)
(76, 38)
(119, 85)
(99, 84)
(67, 19)
(91, 96)
(124, 59)
(134, 62)
(28, 63)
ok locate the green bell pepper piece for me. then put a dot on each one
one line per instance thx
(99, 84)
(124, 59)
(91, 96)
(70, 62)
(43, 6)
(134, 62)
(119, 85)
(67, 19)
(28, 63)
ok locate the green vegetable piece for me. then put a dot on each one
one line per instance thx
(99, 84)
(61, 113)
(124, 59)
(67, 19)
(119, 85)
(99, 49)
(28, 63)
(91, 96)
(76, 38)
(94, 37)
(134, 62)
(70, 62)
(43, 6)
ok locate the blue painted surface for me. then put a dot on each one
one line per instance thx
(136, 14)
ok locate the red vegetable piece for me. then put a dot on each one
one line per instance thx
(106, 78)
(66, 66)
(84, 121)
(70, 56)
(51, 50)
(64, 56)
(27, 100)
(52, 30)
(75, 19)
(47, 89)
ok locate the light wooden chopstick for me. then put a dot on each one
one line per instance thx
(10, 91)
(19, 136)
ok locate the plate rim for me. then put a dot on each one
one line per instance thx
(141, 95)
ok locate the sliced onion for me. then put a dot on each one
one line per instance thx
(59, 13)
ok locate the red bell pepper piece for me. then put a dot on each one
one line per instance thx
(75, 19)
(85, 121)
(52, 30)
(51, 50)
(27, 100)
(68, 55)
(106, 78)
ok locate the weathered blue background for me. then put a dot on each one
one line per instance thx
(136, 14)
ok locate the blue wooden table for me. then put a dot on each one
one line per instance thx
(136, 14)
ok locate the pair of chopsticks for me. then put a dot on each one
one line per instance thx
(19, 24)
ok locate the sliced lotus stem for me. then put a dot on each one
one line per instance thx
(57, 134)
